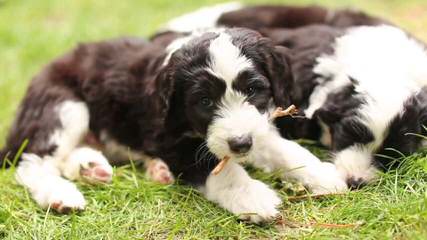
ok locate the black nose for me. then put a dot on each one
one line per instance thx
(241, 144)
(355, 183)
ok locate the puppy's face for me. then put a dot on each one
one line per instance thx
(226, 82)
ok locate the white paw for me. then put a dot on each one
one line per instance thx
(355, 166)
(327, 180)
(158, 171)
(234, 190)
(89, 165)
(47, 187)
(356, 178)
(255, 202)
(60, 194)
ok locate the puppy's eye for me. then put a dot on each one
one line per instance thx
(250, 91)
(206, 102)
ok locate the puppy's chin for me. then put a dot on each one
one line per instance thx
(240, 158)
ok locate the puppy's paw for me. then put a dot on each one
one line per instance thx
(88, 164)
(255, 202)
(60, 194)
(158, 171)
(328, 180)
(66, 202)
(357, 179)
(95, 172)
(355, 167)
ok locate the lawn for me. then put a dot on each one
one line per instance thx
(34, 32)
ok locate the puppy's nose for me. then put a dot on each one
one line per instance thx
(355, 183)
(241, 144)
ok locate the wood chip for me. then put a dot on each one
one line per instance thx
(220, 165)
(279, 112)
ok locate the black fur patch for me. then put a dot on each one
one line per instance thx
(403, 130)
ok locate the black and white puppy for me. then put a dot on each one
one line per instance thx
(360, 81)
(206, 95)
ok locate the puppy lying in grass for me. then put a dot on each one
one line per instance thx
(359, 80)
(190, 102)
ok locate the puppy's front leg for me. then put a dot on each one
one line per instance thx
(273, 152)
(234, 190)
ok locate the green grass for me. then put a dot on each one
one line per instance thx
(34, 32)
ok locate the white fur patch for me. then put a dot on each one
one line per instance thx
(235, 191)
(206, 17)
(74, 117)
(389, 67)
(327, 66)
(227, 59)
(178, 43)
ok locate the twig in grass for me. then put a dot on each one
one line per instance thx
(335, 225)
(281, 221)
(318, 196)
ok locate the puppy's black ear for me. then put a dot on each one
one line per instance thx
(156, 106)
(161, 96)
(280, 75)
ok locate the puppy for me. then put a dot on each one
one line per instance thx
(187, 99)
(359, 81)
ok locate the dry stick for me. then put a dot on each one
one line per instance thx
(335, 225)
(283, 222)
(279, 112)
(220, 165)
(318, 196)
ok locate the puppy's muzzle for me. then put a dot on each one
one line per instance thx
(240, 144)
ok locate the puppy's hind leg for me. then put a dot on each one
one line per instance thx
(47, 187)
(41, 173)
(158, 171)
(87, 164)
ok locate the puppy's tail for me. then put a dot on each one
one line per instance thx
(203, 18)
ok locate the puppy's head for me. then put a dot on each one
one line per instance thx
(225, 82)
